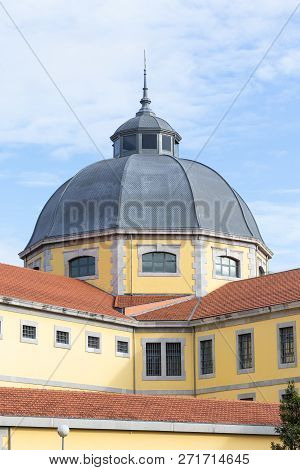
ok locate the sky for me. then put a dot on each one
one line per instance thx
(203, 79)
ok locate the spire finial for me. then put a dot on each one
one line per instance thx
(145, 101)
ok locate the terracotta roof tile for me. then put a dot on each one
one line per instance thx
(51, 289)
(97, 405)
(177, 312)
(123, 301)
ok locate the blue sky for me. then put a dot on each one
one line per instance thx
(199, 55)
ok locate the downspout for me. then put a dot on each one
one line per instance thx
(194, 361)
(134, 361)
(9, 438)
(131, 275)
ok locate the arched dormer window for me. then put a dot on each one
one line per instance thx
(159, 262)
(82, 266)
(227, 267)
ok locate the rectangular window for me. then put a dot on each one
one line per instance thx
(206, 357)
(117, 148)
(29, 331)
(149, 141)
(173, 359)
(245, 351)
(122, 347)
(153, 359)
(93, 342)
(62, 337)
(129, 142)
(287, 347)
(166, 143)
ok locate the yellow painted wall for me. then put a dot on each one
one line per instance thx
(182, 284)
(181, 385)
(48, 439)
(46, 362)
(266, 362)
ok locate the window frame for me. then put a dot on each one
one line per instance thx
(88, 258)
(28, 340)
(239, 333)
(65, 330)
(124, 339)
(124, 151)
(164, 253)
(69, 255)
(170, 249)
(279, 326)
(1, 327)
(150, 150)
(229, 253)
(164, 376)
(251, 396)
(96, 335)
(230, 258)
(200, 340)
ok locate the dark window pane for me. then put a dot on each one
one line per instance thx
(149, 141)
(62, 337)
(159, 262)
(129, 142)
(153, 359)
(206, 357)
(82, 266)
(173, 359)
(122, 347)
(166, 143)
(117, 148)
(245, 351)
(287, 347)
(93, 342)
(29, 331)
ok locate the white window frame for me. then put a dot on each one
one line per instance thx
(62, 345)
(227, 252)
(146, 249)
(23, 339)
(72, 254)
(124, 339)
(1, 327)
(93, 350)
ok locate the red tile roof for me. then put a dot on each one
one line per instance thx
(51, 289)
(180, 312)
(237, 296)
(123, 301)
(96, 405)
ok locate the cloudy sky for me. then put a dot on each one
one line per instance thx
(200, 55)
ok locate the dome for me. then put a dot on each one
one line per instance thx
(145, 121)
(145, 193)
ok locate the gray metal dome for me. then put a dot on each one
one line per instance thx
(145, 192)
(145, 121)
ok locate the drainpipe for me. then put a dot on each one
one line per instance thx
(131, 276)
(194, 361)
(133, 354)
(9, 438)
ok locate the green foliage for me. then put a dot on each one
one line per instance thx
(289, 429)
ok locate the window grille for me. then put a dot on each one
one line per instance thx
(93, 342)
(82, 266)
(122, 347)
(245, 351)
(29, 331)
(62, 337)
(173, 359)
(153, 359)
(206, 357)
(159, 262)
(226, 266)
(287, 347)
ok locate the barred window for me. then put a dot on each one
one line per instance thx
(173, 359)
(159, 262)
(62, 337)
(245, 351)
(287, 347)
(82, 266)
(206, 357)
(93, 342)
(29, 331)
(226, 266)
(122, 347)
(153, 359)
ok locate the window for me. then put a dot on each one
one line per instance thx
(206, 356)
(82, 266)
(173, 359)
(93, 342)
(245, 351)
(1, 327)
(176, 149)
(227, 267)
(247, 396)
(149, 141)
(122, 346)
(159, 262)
(163, 359)
(129, 142)
(117, 148)
(153, 359)
(261, 271)
(62, 337)
(166, 143)
(28, 332)
(287, 346)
